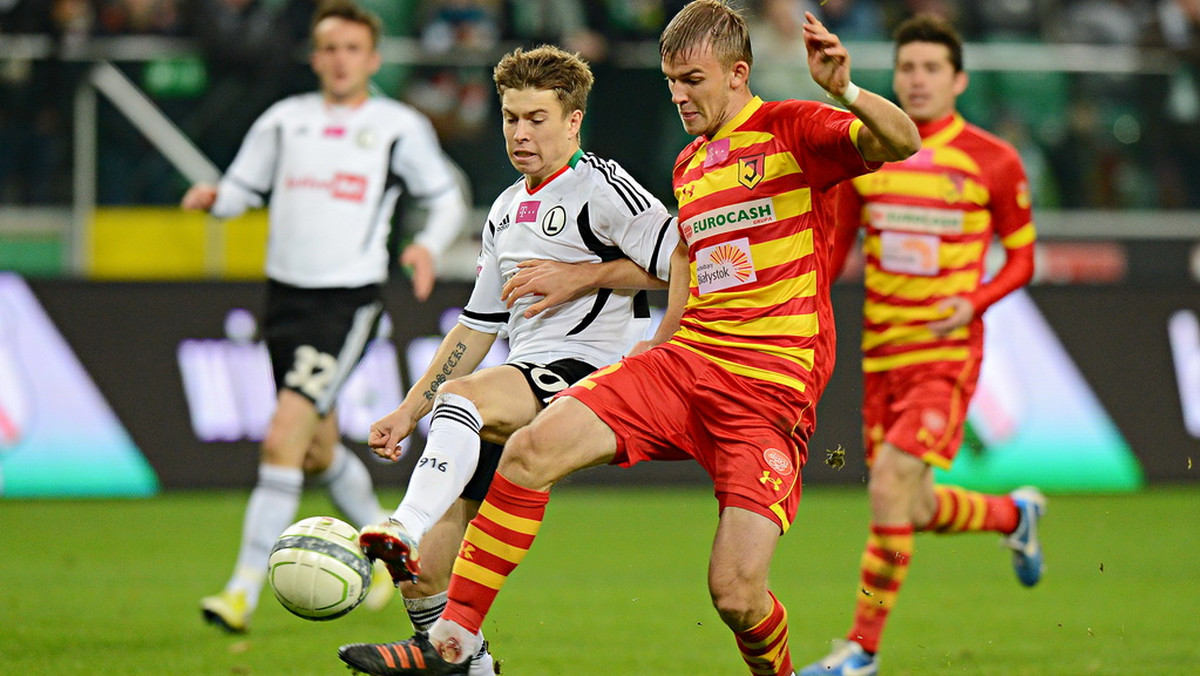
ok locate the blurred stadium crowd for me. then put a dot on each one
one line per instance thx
(1099, 139)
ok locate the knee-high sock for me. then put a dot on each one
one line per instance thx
(963, 511)
(496, 542)
(350, 488)
(884, 567)
(271, 509)
(764, 646)
(450, 458)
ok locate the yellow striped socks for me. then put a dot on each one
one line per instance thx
(764, 646)
(884, 567)
(496, 542)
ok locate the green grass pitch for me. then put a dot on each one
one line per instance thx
(615, 585)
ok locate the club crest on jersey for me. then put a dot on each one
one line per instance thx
(751, 170)
(554, 221)
(365, 139)
(778, 461)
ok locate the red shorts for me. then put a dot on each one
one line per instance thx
(920, 409)
(670, 403)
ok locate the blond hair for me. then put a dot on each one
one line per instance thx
(548, 68)
(707, 22)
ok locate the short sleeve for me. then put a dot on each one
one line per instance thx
(251, 174)
(825, 139)
(634, 221)
(418, 159)
(485, 311)
(1011, 204)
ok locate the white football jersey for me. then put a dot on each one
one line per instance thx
(333, 174)
(591, 212)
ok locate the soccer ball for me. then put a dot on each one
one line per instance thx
(317, 570)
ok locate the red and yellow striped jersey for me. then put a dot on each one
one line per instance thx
(755, 212)
(929, 221)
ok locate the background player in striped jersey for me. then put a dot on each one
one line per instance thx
(596, 236)
(739, 361)
(332, 162)
(928, 222)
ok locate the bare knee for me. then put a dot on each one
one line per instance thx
(500, 419)
(525, 458)
(885, 487)
(896, 486)
(278, 449)
(463, 387)
(739, 601)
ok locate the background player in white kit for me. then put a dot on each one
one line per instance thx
(568, 208)
(332, 162)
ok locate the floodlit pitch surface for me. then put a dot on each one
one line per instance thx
(615, 585)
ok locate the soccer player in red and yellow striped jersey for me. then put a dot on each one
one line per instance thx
(735, 370)
(928, 221)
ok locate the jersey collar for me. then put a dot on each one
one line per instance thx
(569, 165)
(737, 121)
(939, 132)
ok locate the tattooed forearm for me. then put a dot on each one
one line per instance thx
(452, 360)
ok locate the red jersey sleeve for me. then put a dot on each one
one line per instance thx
(847, 218)
(1012, 219)
(823, 139)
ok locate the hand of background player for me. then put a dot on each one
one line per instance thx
(555, 281)
(419, 260)
(828, 60)
(389, 431)
(199, 197)
(959, 312)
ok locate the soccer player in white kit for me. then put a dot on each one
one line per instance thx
(572, 223)
(333, 163)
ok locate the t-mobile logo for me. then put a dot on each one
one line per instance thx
(1184, 331)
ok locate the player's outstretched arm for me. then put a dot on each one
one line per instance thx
(889, 135)
(461, 351)
(559, 282)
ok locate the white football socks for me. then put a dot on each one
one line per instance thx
(350, 488)
(271, 509)
(450, 458)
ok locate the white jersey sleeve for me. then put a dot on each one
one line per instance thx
(250, 177)
(627, 216)
(429, 176)
(485, 311)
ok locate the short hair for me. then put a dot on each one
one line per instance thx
(346, 10)
(711, 22)
(931, 28)
(549, 68)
